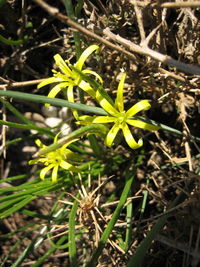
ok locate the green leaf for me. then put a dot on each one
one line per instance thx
(18, 206)
(72, 243)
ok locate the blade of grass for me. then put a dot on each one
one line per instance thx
(4, 260)
(129, 213)
(16, 112)
(13, 42)
(76, 35)
(95, 146)
(82, 107)
(27, 127)
(129, 179)
(92, 128)
(52, 101)
(72, 243)
(19, 205)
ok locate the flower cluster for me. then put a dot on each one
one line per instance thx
(118, 118)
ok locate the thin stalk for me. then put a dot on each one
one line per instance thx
(16, 112)
(27, 127)
(93, 128)
(72, 243)
(82, 107)
(52, 101)
(13, 42)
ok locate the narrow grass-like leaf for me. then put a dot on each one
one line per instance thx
(52, 101)
(13, 178)
(72, 243)
(16, 112)
(27, 127)
(77, 38)
(10, 202)
(82, 107)
(34, 214)
(92, 128)
(129, 213)
(25, 253)
(18, 206)
(115, 217)
(13, 42)
(95, 146)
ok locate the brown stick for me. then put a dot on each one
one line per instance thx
(20, 84)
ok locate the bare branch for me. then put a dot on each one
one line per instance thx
(143, 50)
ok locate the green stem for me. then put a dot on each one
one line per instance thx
(82, 107)
(72, 243)
(17, 113)
(13, 42)
(27, 127)
(92, 128)
(52, 101)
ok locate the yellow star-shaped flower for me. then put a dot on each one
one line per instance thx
(68, 78)
(121, 118)
(61, 157)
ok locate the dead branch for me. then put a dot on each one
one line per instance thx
(143, 50)
(10, 84)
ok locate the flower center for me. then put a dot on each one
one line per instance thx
(121, 118)
(55, 157)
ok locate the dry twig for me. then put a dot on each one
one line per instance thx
(143, 50)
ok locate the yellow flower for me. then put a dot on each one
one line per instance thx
(61, 157)
(68, 78)
(120, 117)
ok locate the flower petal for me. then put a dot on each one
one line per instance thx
(87, 88)
(106, 105)
(129, 137)
(54, 174)
(39, 143)
(103, 119)
(62, 65)
(45, 170)
(143, 125)
(93, 73)
(86, 53)
(85, 119)
(70, 96)
(143, 104)
(71, 156)
(49, 81)
(64, 149)
(56, 89)
(119, 102)
(65, 165)
(111, 135)
(70, 93)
